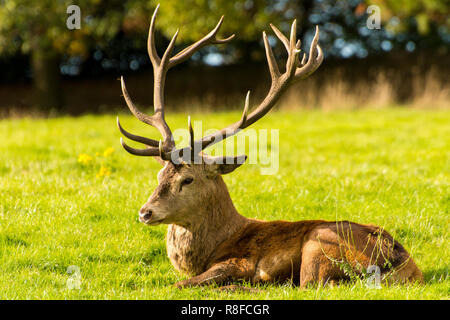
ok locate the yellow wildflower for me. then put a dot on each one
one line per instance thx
(108, 151)
(84, 158)
(104, 171)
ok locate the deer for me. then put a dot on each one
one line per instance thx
(207, 238)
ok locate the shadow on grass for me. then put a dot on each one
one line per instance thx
(436, 275)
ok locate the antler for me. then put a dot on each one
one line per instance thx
(160, 67)
(295, 70)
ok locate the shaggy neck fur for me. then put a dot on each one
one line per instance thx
(189, 247)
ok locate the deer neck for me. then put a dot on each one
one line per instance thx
(189, 247)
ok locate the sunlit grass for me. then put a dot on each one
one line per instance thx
(67, 198)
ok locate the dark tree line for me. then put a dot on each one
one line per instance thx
(35, 43)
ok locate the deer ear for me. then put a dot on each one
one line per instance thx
(224, 165)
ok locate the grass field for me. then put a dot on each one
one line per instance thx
(67, 198)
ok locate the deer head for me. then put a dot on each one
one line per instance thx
(190, 182)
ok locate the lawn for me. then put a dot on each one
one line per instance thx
(69, 196)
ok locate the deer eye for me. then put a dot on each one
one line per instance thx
(187, 181)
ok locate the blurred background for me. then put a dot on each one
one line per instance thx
(48, 69)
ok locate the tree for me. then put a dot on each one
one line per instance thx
(39, 28)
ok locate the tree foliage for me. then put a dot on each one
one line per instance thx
(246, 18)
(115, 29)
(26, 24)
(422, 12)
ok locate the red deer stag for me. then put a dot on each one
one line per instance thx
(207, 237)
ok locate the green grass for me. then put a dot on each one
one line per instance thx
(387, 167)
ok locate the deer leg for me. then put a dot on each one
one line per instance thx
(323, 273)
(316, 267)
(218, 274)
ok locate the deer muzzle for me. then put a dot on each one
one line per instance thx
(145, 215)
(148, 217)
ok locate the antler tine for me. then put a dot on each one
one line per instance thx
(147, 141)
(245, 113)
(210, 38)
(191, 137)
(151, 47)
(293, 35)
(303, 60)
(314, 60)
(291, 63)
(149, 152)
(156, 121)
(166, 57)
(273, 66)
(138, 114)
(281, 36)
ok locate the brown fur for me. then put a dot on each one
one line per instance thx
(207, 237)
(210, 240)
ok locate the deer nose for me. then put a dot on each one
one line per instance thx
(145, 214)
